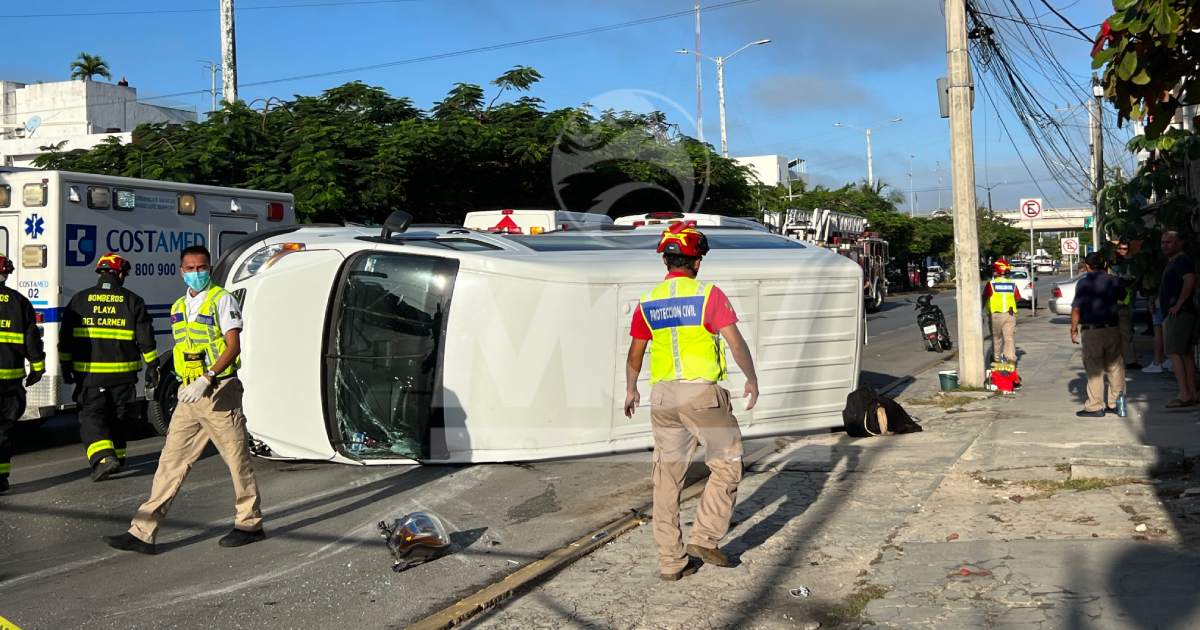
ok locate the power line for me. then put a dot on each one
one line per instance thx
(434, 57)
(1066, 21)
(265, 7)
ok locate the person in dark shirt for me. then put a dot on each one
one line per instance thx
(1094, 312)
(1179, 326)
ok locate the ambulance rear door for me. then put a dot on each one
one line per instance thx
(226, 229)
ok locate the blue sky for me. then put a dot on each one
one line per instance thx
(861, 62)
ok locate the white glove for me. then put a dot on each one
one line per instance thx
(194, 391)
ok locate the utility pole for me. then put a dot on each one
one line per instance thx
(966, 236)
(699, 82)
(212, 91)
(1097, 159)
(228, 54)
(721, 104)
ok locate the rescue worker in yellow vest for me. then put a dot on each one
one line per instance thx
(1121, 269)
(1001, 296)
(206, 324)
(20, 341)
(105, 337)
(683, 321)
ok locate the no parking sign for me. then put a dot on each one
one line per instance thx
(1031, 209)
(1070, 246)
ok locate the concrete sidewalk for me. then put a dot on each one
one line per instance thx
(1006, 511)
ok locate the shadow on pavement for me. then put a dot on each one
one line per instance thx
(137, 466)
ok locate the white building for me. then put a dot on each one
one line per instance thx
(770, 170)
(78, 114)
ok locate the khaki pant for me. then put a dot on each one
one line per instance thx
(683, 416)
(1102, 357)
(217, 416)
(1004, 337)
(1125, 317)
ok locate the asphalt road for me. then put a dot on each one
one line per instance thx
(324, 562)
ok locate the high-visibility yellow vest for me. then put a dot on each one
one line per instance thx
(198, 344)
(682, 348)
(1004, 296)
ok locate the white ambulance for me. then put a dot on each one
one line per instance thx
(513, 221)
(55, 224)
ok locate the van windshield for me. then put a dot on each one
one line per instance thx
(383, 362)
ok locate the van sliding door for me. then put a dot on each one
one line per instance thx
(383, 354)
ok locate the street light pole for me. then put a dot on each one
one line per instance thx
(699, 82)
(720, 61)
(870, 161)
(911, 198)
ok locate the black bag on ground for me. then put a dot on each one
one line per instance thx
(868, 414)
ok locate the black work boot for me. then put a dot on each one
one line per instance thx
(688, 569)
(129, 542)
(105, 467)
(238, 537)
(709, 555)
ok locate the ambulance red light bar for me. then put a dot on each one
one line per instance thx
(274, 211)
(665, 215)
(506, 211)
(638, 224)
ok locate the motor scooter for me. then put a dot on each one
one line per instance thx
(932, 323)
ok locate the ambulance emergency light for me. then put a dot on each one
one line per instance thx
(34, 195)
(5, 196)
(187, 204)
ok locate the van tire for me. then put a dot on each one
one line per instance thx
(158, 419)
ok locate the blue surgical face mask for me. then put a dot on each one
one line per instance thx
(196, 280)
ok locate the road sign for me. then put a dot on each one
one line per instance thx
(1070, 246)
(1031, 209)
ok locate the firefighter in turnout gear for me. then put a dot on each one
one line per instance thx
(20, 341)
(1001, 296)
(683, 321)
(106, 336)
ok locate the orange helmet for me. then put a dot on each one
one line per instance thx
(1001, 266)
(6, 265)
(682, 239)
(112, 262)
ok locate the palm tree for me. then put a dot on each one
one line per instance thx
(87, 66)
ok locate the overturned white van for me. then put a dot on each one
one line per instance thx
(447, 345)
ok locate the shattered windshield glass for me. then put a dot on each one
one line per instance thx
(384, 359)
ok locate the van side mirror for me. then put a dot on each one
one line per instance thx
(397, 222)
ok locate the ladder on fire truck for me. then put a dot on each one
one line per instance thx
(821, 226)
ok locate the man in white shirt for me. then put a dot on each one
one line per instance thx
(206, 324)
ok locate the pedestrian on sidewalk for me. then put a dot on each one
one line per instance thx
(683, 322)
(1176, 293)
(1094, 311)
(1000, 295)
(1161, 362)
(1121, 269)
(206, 324)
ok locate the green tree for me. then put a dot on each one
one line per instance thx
(87, 66)
(355, 153)
(1150, 51)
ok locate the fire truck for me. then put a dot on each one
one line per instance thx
(848, 235)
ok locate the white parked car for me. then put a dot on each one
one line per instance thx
(1020, 277)
(1062, 296)
(1045, 267)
